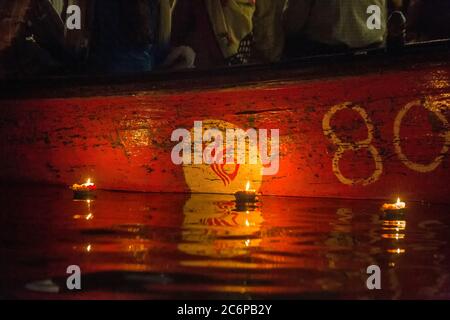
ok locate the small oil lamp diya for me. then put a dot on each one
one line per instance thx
(84, 191)
(397, 207)
(246, 198)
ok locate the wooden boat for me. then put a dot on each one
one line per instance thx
(369, 125)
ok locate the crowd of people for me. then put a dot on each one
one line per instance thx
(120, 36)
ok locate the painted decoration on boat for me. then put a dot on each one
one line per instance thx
(221, 177)
(381, 135)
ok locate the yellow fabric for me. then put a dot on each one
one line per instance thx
(335, 22)
(231, 23)
(165, 21)
(268, 30)
(58, 5)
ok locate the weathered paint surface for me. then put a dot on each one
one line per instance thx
(375, 136)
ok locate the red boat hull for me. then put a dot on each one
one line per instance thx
(378, 135)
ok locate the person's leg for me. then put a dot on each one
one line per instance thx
(397, 27)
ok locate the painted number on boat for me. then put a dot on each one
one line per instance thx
(346, 146)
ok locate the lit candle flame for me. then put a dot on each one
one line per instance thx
(400, 204)
(88, 186)
(394, 206)
(247, 186)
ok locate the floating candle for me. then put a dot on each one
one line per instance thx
(84, 191)
(247, 196)
(399, 205)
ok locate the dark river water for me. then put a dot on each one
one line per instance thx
(164, 246)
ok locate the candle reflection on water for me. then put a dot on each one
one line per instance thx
(88, 216)
(394, 231)
(211, 248)
(212, 228)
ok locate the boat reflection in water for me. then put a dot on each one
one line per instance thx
(216, 229)
(133, 245)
